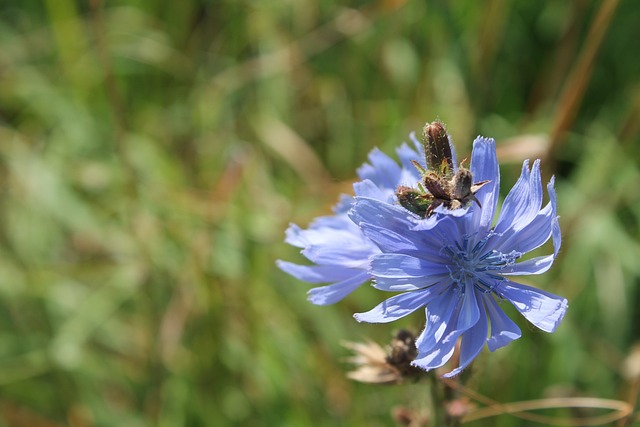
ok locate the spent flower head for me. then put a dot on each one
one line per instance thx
(438, 250)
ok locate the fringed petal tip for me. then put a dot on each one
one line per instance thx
(553, 319)
(293, 236)
(543, 309)
(344, 204)
(555, 228)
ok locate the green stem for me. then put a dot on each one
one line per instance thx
(438, 409)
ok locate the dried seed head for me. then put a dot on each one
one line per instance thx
(374, 364)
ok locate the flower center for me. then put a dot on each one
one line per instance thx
(470, 263)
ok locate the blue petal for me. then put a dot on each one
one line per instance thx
(458, 310)
(473, 341)
(343, 205)
(436, 357)
(402, 265)
(331, 294)
(543, 309)
(454, 158)
(324, 230)
(419, 146)
(348, 256)
(317, 273)
(535, 233)
(440, 230)
(295, 237)
(383, 170)
(338, 223)
(523, 201)
(537, 265)
(532, 236)
(453, 212)
(503, 329)
(333, 240)
(557, 236)
(367, 188)
(470, 312)
(465, 316)
(439, 314)
(484, 166)
(406, 154)
(404, 284)
(398, 306)
(399, 272)
(390, 227)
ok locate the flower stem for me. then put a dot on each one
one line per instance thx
(438, 404)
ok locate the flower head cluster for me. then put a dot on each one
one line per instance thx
(454, 260)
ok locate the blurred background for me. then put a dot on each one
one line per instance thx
(152, 153)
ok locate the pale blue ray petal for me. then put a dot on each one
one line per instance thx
(403, 284)
(389, 240)
(503, 329)
(524, 207)
(397, 265)
(398, 306)
(366, 188)
(537, 265)
(484, 166)
(464, 317)
(317, 273)
(406, 154)
(453, 212)
(543, 309)
(343, 205)
(435, 358)
(473, 341)
(454, 157)
(326, 230)
(557, 236)
(326, 295)
(532, 236)
(383, 170)
(515, 202)
(535, 194)
(438, 315)
(419, 146)
(390, 227)
(470, 312)
(295, 237)
(338, 223)
(349, 256)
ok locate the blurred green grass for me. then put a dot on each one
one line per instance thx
(152, 154)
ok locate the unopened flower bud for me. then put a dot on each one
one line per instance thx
(413, 200)
(437, 148)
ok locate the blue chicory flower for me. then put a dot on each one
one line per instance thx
(338, 248)
(457, 264)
